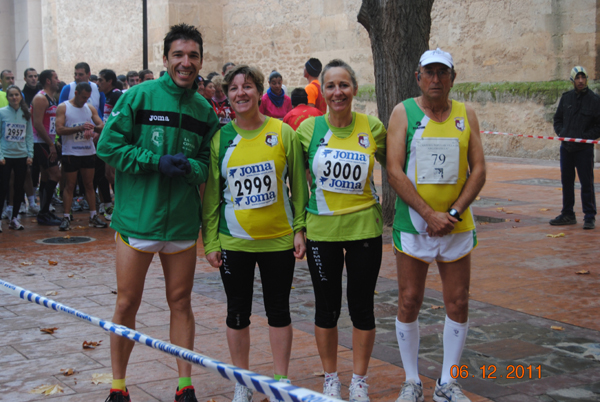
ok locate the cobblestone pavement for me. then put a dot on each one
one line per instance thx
(523, 284)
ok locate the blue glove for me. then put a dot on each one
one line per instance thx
(183, 163)
(174, 165)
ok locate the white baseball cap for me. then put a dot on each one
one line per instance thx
(436, 56)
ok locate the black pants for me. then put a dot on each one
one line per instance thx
(326, 264)
(583, 161)
(19, 166)
(276, 274)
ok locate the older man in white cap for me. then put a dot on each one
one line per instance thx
(436, 166)
(577, 116)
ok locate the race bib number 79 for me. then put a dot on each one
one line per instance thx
(437, 160)
(15, 132)
(253, 186)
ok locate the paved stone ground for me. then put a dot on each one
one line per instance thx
(523, 283)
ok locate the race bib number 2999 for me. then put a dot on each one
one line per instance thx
(253, 186)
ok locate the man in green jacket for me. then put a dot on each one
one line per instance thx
(158, 139)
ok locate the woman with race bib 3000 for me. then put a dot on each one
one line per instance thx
(249, 217)
(344, 214)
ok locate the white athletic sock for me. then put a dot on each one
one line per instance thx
(408, 343)
(66, 215)
(331, 375)
(31, 200)
(455, 335)
(92, 214)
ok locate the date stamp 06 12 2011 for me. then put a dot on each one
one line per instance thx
(491, 372)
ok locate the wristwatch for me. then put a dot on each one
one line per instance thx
(454, 213)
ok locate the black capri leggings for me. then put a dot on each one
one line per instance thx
(326, 264)
(276, 274)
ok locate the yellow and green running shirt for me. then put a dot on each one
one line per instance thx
(247, 206)
(436, 164)
(344, 204)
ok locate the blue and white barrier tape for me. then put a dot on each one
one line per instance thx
(266, 385)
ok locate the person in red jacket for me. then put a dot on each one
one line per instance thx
(301, 110)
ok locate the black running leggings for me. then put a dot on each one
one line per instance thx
(19, 166)
(326, 264)
(276, 274)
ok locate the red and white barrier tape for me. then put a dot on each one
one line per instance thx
(541, 137)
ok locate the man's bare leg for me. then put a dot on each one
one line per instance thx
(179, 279)
(132, 266)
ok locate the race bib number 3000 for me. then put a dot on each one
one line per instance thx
(437, 160)
(253, 186)
(342, 171)
(15, 132)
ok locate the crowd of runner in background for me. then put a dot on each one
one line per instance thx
(34, 167)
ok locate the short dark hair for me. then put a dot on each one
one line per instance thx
(299, 97)
(83, 87)
(109, 75)
(143, 73)
(28, 70)
(132, 74)
(227, 65)
(84, 65)
(118, 84)
(4, 71)
(342, 64)
(45, 76)
(93, 77)
(185, 32)
(250, 73)
(120, 77)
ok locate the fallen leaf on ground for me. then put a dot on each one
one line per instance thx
(104, 378)
(484, 223)
(34, 221)
(558, 188)
(583, 272)
(507, 220)
(496, 203)
(509, 199)
(477, 198)
(68, 372)
(66, 237)
(26, 263)
(556, 235)
(114, 292)
(500, 209)
(517, 220)
(46, 390)
(509, 212)
(80, 227)
(91, 345)
(52, 293)
(293, 287)
(48, 330)
(436, 307)
(544, 209)
(319, 374)
(50, 262)
(557, 328)
(71, 275)
(376, 292)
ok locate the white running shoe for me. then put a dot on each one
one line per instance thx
(242, 394)
(33, 210)
(449, 392)
(15, 224)
(7, 213)
(332, 387)
(359, 390)
(411, 392)
(108, 212)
